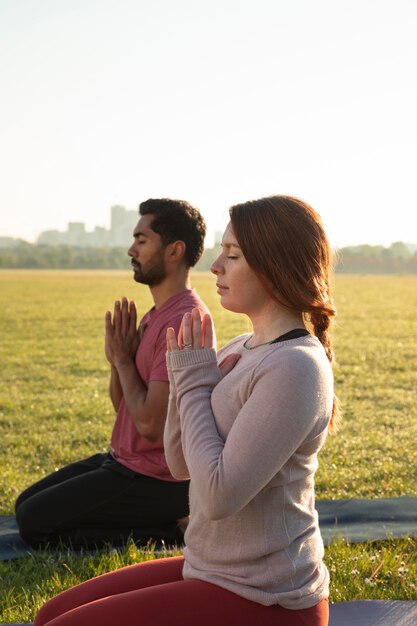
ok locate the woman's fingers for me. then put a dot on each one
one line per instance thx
(207, 331)
(187, 337)
(172, 343)
(194, 333)
(228, 363)
(181, 334)
(196, 329)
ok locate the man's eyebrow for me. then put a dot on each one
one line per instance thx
(139, 233)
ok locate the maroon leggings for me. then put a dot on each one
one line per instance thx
(155, 593)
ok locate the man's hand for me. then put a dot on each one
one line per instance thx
(122, 336)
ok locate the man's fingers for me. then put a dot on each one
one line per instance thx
(107, 321)
(117, 315)
(132, 316)
(125, 315)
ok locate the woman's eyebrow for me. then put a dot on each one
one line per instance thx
(230, 245)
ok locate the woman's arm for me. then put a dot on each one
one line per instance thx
(174, 453)
(287, 405)
(172, 434)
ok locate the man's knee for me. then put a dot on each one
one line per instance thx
(32, 522)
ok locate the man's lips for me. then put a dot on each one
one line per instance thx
(221, 287)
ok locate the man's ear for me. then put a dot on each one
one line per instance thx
(175, 250)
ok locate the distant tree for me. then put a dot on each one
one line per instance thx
(399, 250)
(364, 259)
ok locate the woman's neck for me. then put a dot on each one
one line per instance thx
(272, 323)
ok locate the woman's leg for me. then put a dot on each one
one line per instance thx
(121, 581)
(155, 593)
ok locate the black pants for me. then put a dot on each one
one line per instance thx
(97, 501)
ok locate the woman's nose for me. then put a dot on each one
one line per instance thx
(216, 267)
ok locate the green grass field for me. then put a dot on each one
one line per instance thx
(54, 409)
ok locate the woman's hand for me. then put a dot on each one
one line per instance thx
(196, 333)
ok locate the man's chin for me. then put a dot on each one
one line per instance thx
(144, 280)
(137, 276)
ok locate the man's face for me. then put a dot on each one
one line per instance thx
(147, 253)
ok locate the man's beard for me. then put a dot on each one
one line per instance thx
(151, 276)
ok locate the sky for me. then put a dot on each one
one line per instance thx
(213, 101)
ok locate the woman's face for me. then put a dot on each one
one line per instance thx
(237, 284)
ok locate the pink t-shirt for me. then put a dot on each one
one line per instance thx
(128, 447)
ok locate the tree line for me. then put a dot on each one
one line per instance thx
(399, 258)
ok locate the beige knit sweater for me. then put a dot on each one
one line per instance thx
(249, 443)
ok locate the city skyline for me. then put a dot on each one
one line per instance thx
(119, 233)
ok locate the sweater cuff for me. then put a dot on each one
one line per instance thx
(186, 358)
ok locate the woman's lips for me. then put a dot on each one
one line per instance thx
(220, 288)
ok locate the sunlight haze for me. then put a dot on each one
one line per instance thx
(215, 101)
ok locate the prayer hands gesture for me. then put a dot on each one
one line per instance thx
(196, 333)
(122, 336)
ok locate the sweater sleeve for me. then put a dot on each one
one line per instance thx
(285, 407)
(172, 432)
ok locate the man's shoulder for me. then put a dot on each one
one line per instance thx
(172, 314)
(186, 301)
(192, 299)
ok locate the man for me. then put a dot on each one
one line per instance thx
(129, 491)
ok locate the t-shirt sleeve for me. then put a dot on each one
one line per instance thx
(159, 366)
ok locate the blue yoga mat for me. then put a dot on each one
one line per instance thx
(356, 520)
(359, 520)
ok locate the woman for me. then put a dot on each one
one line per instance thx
(247, 432)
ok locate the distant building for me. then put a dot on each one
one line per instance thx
(218, 236)
(122, 225)
(120, 234)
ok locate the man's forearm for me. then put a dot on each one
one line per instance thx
(115, 388)
(134, 393)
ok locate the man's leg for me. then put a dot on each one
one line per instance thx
(105, 505)
(69, 471)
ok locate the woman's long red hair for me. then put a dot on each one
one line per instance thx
(284, 242)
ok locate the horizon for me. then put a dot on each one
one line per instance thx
(111, 102)
(209, 241)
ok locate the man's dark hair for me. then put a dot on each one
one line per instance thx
(177, 220)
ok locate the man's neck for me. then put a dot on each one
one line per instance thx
(169, 287)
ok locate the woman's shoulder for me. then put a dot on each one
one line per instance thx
(301, 353)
